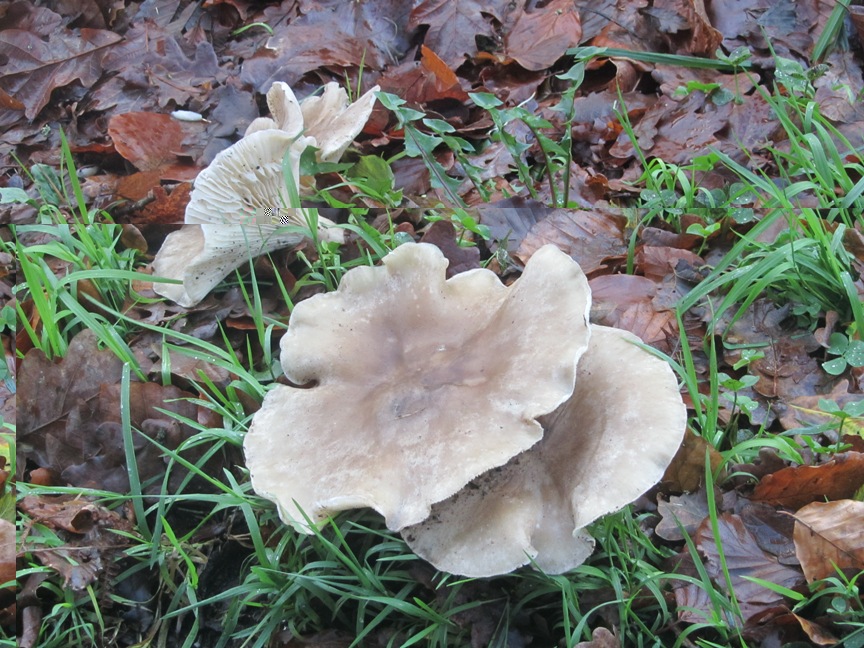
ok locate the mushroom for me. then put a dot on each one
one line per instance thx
(223, 228)
(605, 446)
(329, 118)
(418, 384)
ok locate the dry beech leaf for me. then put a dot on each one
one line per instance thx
(600, 638)
(688, 510)
(151, 141)
(744, 558)
(815, 632)
(829, 534)
(687, 470)
(442, 234)
(632, 302)
(541, 37)
(797, 486)
(589, 237)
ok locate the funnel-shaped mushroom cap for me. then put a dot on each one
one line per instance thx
(330, 119)
(609, 443)
(247, 177)
(285, 111)
(223, 233)
(421, 383)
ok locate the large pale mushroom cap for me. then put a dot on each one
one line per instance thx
(609, 443)
(420, 383)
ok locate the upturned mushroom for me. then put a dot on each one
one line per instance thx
(605, 446)
(419, 384)
(223, 228)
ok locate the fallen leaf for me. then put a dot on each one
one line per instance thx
(90, 529)
(772, 530)
(686, 472)
(540, 37)
(828, 536)
(742, 557)
(7, 551)
(628, 302)
(803, 411)
(73, 383)
(455, 26)
(421, 82)
(798, 486)
(815, 632)
(589, 237)
(681, 512)
(34, 67)
(443, 235)
(600, 638)
(331, 33)
(510, 220)
(151, 71)
(152, 142)
(657, 262)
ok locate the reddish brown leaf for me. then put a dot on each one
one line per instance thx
(743, 557)
(542, 36)
(686, 473)
(166, 208)
(628, 302)
(34, 67)
(657, 262)
(829, 535)
(428, 80)
(454, 26)
(152, 142)
(589, 237)
(797, 486)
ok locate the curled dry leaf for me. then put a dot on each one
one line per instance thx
(828, 536)
(445, 379)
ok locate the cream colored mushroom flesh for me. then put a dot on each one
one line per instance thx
(415, 384)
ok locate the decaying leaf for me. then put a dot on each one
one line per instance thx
(828, 536)
(743, 557)
(634, 303)
(89, 529)
(687, 470)
(542, 36)
(681, 514)
(589, 237)
(600, 638)
(34, 67)
(797, 486)
(152, 142)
